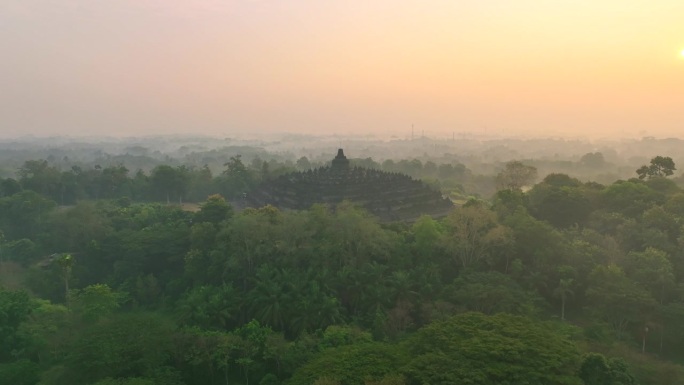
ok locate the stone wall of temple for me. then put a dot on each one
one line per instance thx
(389, 196)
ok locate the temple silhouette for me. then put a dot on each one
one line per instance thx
(389, 196)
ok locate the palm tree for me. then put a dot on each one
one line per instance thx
(564, 290)
(66, 262)
(271, 297)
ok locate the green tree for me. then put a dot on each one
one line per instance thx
(39, 176)
(169, 182)
(652, 269)
(214, 210)
(630, 198)
(351, 364)
(427, 233)
(473, 348)
(66, 264)
(303, 164)
(114, 182)
(593, 160)
(15, 308)
(562, 206)
(119, 346)
(563, 291)
(20, 372)
(94, 302)
(48, 332)
(236, 178)
(597, 370)
(23, 251)
(491, 293)
(661, 166)
(516, 175)
(23, 215)
(474, 233)
(9, 187)
(209, 307)
(617, 300)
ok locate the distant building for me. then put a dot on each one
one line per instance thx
(389, 196)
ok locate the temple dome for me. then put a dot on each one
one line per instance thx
(389, 196)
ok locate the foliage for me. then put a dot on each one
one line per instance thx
(516, 175)
(157, 294)
(351, 365)
(597, 370)
(20, 372)
(478, 349)
(15, 308)
(660, 166)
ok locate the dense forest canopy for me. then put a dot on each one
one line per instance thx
(105, 278)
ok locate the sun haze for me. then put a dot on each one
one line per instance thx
(573, 68)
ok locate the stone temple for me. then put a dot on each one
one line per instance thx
(389, 196)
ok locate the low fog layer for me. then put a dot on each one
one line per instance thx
(479, 159)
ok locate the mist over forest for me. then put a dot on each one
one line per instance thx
(150, 260)
(602, 161)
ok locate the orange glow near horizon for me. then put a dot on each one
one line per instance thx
(574, 68)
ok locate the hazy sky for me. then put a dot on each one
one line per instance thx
(132, 67)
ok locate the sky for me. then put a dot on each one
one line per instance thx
(574, 68)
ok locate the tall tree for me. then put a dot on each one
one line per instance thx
(473, 233)
(661, 166)
(617, 300)
(65, 263)
(169, 182)
(516, 175)
(236, 178)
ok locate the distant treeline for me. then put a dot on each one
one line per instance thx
(166, 183)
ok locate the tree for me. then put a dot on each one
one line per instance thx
(9, 187)
(426, 234)
(593, 159)
(20, 372)
(38, 176)
(652, 269)
(473, 233)
(597, 370)
(121, 345)
(65, 263)
(351, 364)
(618, 300)
(660, 167)
(564, 290)
(94, 302)
(490, 293)
(168, 181)
(15, 307)
(516, 175)
(473, 348)
(629, 197)
(114, 181)
(561, 205)
(214, 210)
(209, 307)
(236, 178)
(565, 286)
(23, 214)
(303, 164)
(48, 332)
